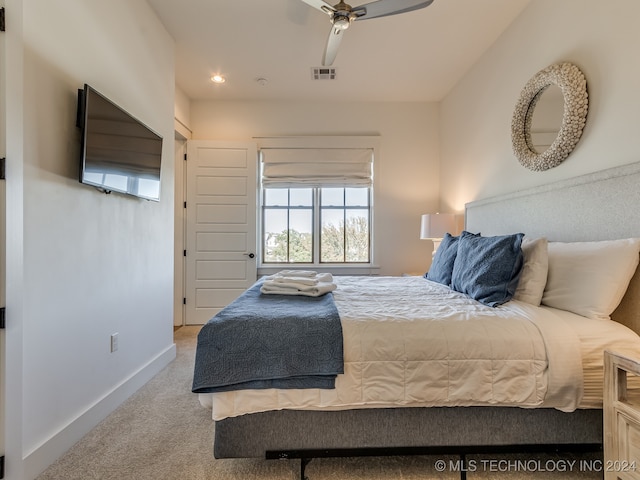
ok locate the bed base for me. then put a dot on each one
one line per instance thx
(304, 435)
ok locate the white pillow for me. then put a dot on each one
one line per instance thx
(590, 278)
(533, 277)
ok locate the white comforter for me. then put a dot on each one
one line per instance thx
(409, 342)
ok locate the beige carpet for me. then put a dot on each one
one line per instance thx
(162, 432)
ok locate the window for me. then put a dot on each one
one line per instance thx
(316, 225)
(287, 221)
(317, 203)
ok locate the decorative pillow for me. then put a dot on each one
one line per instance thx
(590, 278)
(534, 271)
(442, 264)
(488, 268)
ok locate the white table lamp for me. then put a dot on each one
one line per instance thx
(433, 226)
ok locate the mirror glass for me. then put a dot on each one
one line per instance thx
(557, 97)
(546, 120)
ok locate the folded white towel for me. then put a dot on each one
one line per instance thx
(292, 285)
(297, 273)
(323, 277)
(294, 280)
(308, 290)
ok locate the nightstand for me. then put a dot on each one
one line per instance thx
(621, 410)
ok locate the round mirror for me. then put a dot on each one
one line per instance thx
(537, 143)
(546, 120)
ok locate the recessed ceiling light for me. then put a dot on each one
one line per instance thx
(218, 79)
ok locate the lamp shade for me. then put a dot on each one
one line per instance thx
(435, 225)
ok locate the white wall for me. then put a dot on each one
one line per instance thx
(182, 113)
(407, 182)
(601, 38)
(84, 264)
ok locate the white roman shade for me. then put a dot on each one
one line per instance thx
(315, 167)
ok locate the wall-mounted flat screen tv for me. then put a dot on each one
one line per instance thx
(119, 153)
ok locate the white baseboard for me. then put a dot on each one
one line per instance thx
(44, 455)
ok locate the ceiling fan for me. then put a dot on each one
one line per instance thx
(342, 15)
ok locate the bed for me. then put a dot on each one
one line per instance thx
(365, 415)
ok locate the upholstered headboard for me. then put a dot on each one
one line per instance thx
(603, 205)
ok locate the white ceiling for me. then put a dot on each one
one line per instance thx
(415, 56)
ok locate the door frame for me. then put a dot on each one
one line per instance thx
(182, 135)
(3, 244)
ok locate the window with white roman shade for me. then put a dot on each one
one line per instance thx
(317, 200)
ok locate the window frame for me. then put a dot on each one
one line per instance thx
(316, 209)
(287, 208)
(345, 208)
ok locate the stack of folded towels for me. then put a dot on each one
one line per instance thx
(298, 282)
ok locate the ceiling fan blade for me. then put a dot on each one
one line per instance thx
(384, 8)
(321, 5)
(333, 42)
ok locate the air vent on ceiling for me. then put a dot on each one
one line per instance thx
(323, 73)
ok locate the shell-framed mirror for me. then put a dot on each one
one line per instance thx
(547, 145)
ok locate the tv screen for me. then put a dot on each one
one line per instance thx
(119, 153)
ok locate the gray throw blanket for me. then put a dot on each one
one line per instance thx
(270, 341)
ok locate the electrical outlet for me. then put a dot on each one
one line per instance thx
(114, 342)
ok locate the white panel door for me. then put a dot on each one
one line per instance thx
(221, 235)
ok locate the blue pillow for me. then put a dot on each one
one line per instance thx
(442, 264)
(488, 268)
(443, 260)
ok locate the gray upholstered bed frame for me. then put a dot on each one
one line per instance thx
(598, 206)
